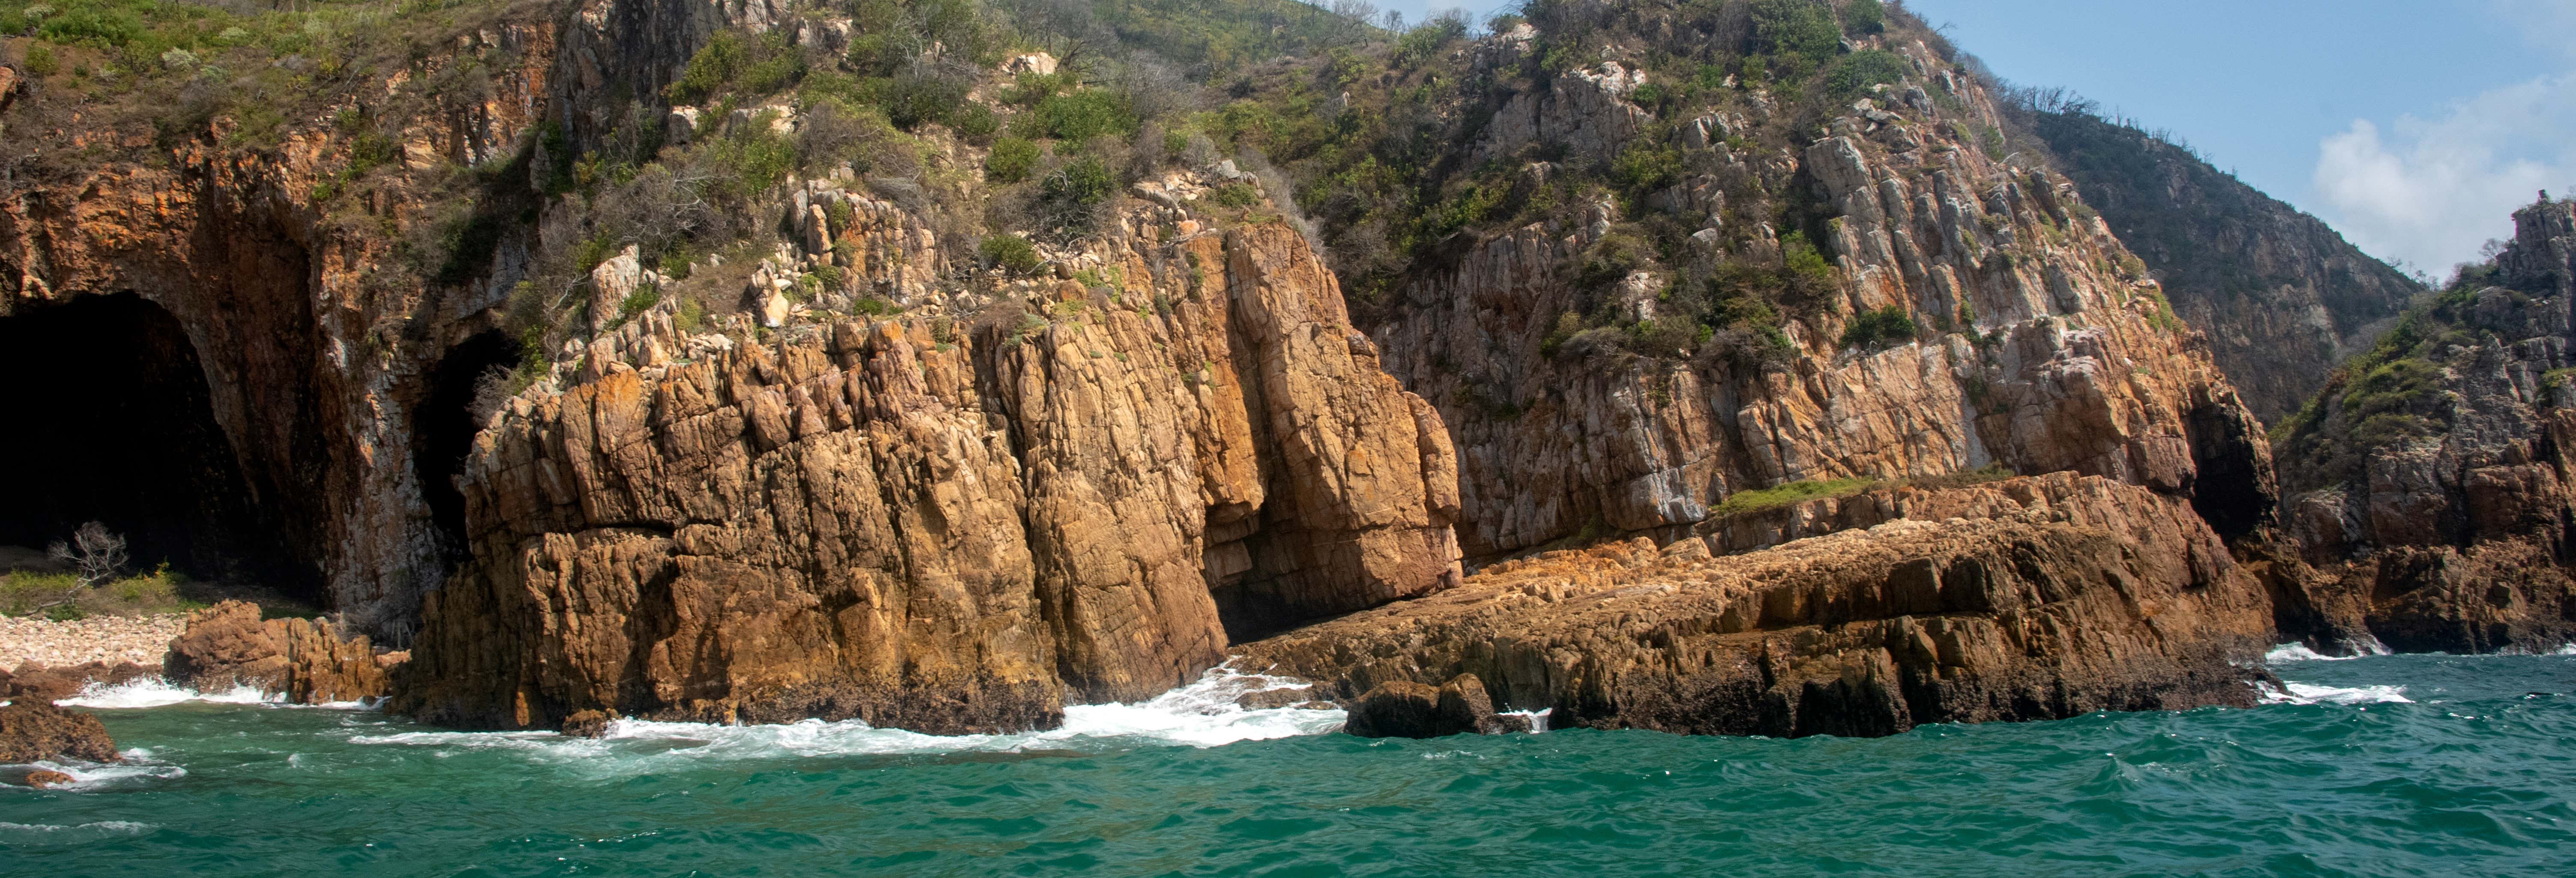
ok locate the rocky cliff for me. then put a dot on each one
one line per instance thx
(2026, 599)
(1626, 364)
(2282, 297)
(2429, 479)
(704, 361)
(938, 527)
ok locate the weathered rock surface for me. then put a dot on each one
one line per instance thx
(310, 661)
(33, 730)
(945, 530)
(2072, 595)
(1406, 709)
(34, 682)
(2034, 348)
(2431, 484)
(2282, 296)
(42, 779)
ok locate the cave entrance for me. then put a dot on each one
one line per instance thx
(111, 422)
(444, 424)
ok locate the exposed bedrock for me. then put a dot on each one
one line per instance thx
(2033, 341)
(35, 730)
(307, 661)
(2430, 486)
(943, 528)
(2028, 599)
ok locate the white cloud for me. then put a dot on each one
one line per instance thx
(2430, 192)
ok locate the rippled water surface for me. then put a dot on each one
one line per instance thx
(2474, 771)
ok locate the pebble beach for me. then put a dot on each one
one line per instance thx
(110, 639)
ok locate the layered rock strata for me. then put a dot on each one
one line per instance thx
(939, 527)
(2067, 595)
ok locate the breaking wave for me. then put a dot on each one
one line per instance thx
(2303, 693)
(1206, 713)
(155, 692)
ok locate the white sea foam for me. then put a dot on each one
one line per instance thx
(85, 776)
(2303, 693)
(1537, 718)
(2299, 652)
(1202, 714)
(156, 692)
(50, 834)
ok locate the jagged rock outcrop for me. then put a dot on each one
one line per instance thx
(33, 682)
(309, 661)
(2282, 296)
(33, 730)
(2430, 479)
(945, 528)
(2030, 346)
(2067, 595)
(1406, 709)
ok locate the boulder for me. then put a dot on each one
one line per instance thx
(41, 778)
(307, 660)
(1396, 709)
(588, 724)
(33, 730)
(35, 682)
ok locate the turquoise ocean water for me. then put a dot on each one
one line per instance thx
(2401, 765)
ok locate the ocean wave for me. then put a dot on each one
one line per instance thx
(139, 766)
(155, 692)
(54, 834)
(145, 692)
(1205, 713)
(2299, 652)
(2304, 693)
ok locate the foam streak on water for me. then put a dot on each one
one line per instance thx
(2302, 693)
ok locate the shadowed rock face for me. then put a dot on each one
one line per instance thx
(2450, 531)
(944, 536)
(2060, 596)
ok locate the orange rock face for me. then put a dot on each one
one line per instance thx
(945, 536)
(307, 660)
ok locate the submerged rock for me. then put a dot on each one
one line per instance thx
(41, 778)
(33, 730)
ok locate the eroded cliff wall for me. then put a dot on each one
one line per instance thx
(941, 527)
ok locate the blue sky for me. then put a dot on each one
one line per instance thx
(2413, 126)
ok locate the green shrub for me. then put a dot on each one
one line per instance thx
(1864, 17)
(1804, 261)
(1010, 252)
(1885, 326)
(1084, 115)
(1235, 195)
(1803, 28)
(1010, 160)
(732, 61)
(1423, 43)
(1084, 183)
(975, 122)
(40, 60)
(1742, 502)
(1644, 167)
(644, 297)
(1853, 75)
(914, 101)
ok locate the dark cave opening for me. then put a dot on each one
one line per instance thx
(115, 424)
(443, 428)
